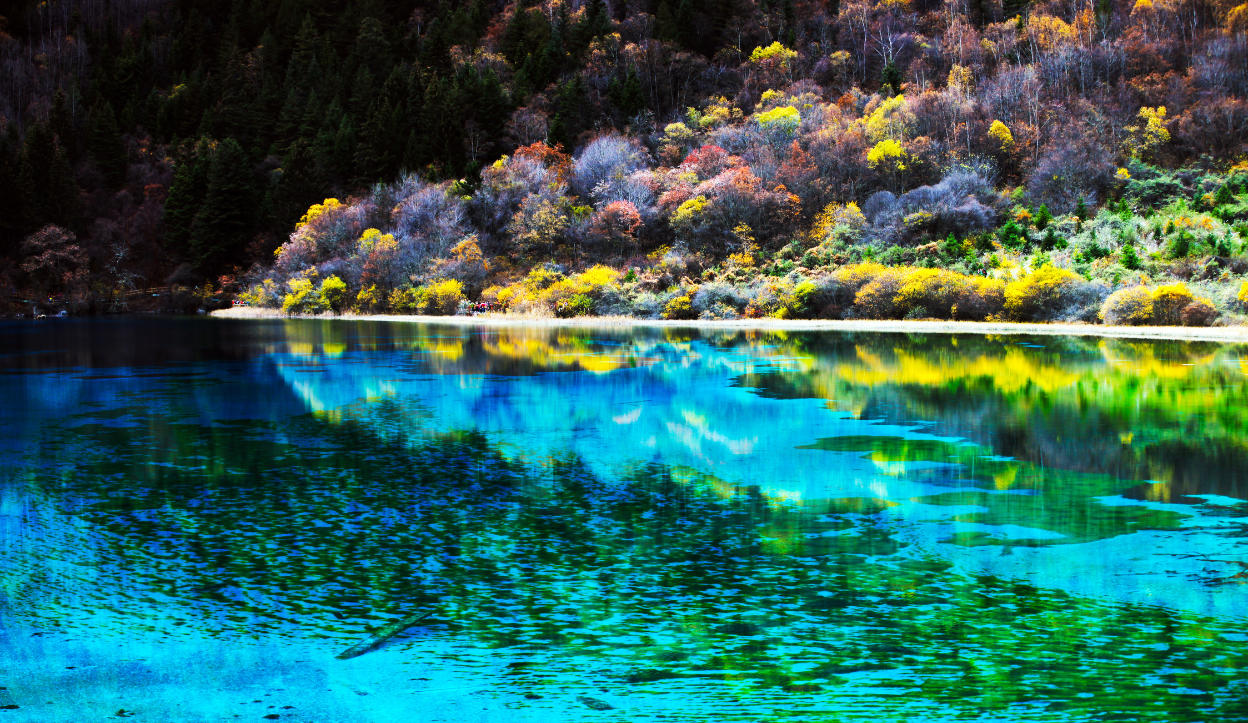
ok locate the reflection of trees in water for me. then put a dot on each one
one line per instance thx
(324, 526)
(1166, 411)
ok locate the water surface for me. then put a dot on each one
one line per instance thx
(680, 524)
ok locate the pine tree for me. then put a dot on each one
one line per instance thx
(61, 124)
(376, 157)
(634, 99)
(596, 21)
(493, 108)
(48, 191)
(891, 79)
(107, 148)
(224, 222)
(303, 184)
(186, 195)
(10, 213)
(685, 30)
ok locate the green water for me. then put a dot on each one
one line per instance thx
(688, 525)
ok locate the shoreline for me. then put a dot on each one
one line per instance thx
(1175, 333)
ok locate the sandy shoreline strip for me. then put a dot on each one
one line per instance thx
(1180, 333)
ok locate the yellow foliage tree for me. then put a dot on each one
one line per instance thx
(887, 156)
(891, 119)
(775, 52)
(1000, 132)
(316, 210)
(785, 119)
(961, 79)
(1150, 134)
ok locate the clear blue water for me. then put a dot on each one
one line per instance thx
(678, 524)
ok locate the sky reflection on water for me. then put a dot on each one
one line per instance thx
(739, 526)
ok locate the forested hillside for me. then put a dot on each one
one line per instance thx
(676, 158)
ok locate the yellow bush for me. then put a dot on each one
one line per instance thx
(1132, 306)
(785, 118)
(833, 215)
(1201, 312)
(443, 297)
(775, 51)
(891, 119)
(937, 293)
(878, 299)
(680, 307)
(1039, 295)
(887, 155)
(1001, 133)
(302, 297)
(1169, 302)
(369, 299)
(406, 301)
(688, 211)
(589, 283)
(1242, 296)
(855, 276)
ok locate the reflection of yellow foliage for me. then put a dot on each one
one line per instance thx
(1157, 492)
(1013, 371)
(1004, 479)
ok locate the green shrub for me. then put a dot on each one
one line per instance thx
(1011, 236)
(1180, 245)
(575, 305)
(1130, 258)
(1153, 191)
(406, 301)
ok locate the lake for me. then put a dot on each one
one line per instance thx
(640, 524)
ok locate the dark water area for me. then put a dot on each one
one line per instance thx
(678, 524)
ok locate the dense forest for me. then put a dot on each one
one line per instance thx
(676, 158)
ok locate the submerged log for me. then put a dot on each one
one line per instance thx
(382, 636)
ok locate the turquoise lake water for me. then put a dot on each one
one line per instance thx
(623, 525)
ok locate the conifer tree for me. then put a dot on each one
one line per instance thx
(107, 148)
(186, 195)
(224, 222)
(303, 184)
(10, 213)
(633, 99)
(48, 191)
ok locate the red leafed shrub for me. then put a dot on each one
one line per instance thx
(54, 260)
(616, 225)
